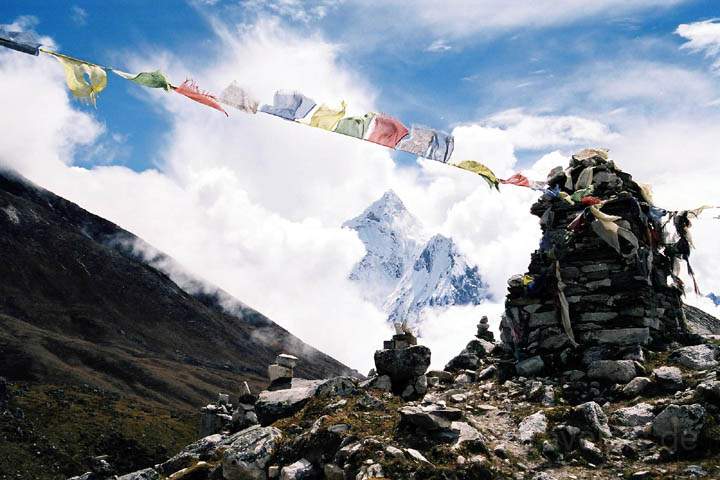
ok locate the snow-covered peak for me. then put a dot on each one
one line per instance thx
(388, 213)
(404, 273)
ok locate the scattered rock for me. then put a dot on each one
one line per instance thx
(636, 386)
(594, 418)
(530, 367)
(696, 357)
(679, 426)
(668, 378)
(302, 469)
(247, 456)
(635, 416)
(616, 371)
(591, 452)
(531, 426)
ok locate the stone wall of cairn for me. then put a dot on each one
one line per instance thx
(618, 299)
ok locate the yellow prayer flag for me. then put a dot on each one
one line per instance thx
(84, 80)
(326, 117)
(480, 169)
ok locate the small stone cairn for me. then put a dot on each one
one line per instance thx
(223, 415)
(280, 373)
(401, 365)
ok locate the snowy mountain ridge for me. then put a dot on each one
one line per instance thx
(403, 272)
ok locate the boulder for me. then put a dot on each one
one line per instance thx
(246, 458)
(679, 426)
(302, 469)
(530, 367)
(146, 474)
(636, 386)
(615, 371)
(204, 447)
(430, 417)
(590, 451)
(635, 416)
(594, 418)
(696, 357)
(710, 391)
(273, 405)
(668, 378)
(531, 426)
(333, 472)
(403, 364)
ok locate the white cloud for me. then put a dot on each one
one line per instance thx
(702, 37)
(447, 332)
(78, 15)
(438, 46)
(460, 18)
(528, 131)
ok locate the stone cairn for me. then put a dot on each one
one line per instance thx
(401, 365)
(597, 287)
(280, 373)
(223, 415)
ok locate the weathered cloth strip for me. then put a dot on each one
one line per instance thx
(289, 105)
(480, 169)
(155, 79)
(564, 306)
(327, 118)
(387, 131)
(84, 80)
(190, 89)
(357, 127)
(20, 41)
(606, 228)
(442, 147)
(518, 179)
(237, 97)
(418, 142)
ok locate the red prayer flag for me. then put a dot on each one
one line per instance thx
(590, 201)
(190, 89)
(518, 179)
(387, 131)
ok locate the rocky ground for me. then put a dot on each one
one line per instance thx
(653, 417)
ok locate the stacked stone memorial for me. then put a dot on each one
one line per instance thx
(280, 373)
(401, 365)
(597, 288)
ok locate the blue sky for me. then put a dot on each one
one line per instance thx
(469, 77)
(255, 205)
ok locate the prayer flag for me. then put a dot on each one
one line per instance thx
(83, 79)
(387, 131)
(155, 79)
(481, 170)
(327, 118)
(518, 179)
(442, 147)
(418, 142)
(355, 126)
(237, 97)
(289, 105)
(20, 41)
(190, 89)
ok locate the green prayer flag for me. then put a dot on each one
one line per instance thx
(355, 126)
(155, 79)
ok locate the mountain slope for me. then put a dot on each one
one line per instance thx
(403, 272)
(79, 305)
